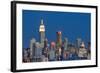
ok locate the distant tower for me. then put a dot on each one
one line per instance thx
(82, 51)
(32, 47)
(38, 52)
(46, 48)
(42, 32)
(45, 43)
(65, 44)
(78, 42)
(59, 39)
(53, 44)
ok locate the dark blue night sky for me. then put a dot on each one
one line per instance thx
(73, 25)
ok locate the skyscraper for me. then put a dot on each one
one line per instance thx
(52, 52)
(38, 52)
(45, 43)
(32, 47)
(78, 42)
(82, 51)
(42, 32)
(59, 39)
(46, 48)
(65, 44)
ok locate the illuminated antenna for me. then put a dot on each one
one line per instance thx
(41, 21)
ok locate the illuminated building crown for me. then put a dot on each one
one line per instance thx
(42, 27)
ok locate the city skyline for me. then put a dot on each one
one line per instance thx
(63, 22)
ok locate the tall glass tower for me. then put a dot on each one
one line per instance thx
(65, 44)
(78, 42)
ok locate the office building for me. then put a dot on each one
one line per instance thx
(32, 48)
(78, 42)
(59, 39)
(82, 51)
(65, 44)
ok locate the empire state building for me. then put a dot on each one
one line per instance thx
(42, 32)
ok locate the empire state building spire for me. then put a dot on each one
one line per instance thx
(41, 21)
